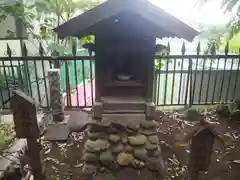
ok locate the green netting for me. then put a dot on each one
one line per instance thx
(81, 72)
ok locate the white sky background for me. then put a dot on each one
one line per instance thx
(190, 14)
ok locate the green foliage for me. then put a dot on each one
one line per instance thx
(49, 14)
(88, 39)
(192, 115)
(220, 35)
(161, 50)
(227, 5)
(223, 110)
(6, 135)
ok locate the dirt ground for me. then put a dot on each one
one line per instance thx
(61, 161)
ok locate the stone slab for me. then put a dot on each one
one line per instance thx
(78, 120)
(65, 121)
(57, 132)
(124, 119)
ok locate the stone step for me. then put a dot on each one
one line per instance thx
(124, 104)
(126, 111)
(123, 107)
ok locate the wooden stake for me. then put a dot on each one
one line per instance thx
(25, 120)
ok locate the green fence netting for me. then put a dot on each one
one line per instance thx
(83, 69)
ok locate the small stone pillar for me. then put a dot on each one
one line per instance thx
(56, 103)
(150, 110)
(97, 110)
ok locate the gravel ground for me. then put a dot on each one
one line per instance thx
(62, 160)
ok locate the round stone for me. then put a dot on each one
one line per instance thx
(155, 164)
(113, 129)
(96, 146)
(131, 132)
(118, 126)
(137, 140)
(148, 124)
(128, 148)
(149, 132)
(124, 159)
(153, 139)
(94, 135)
(124, 140)
(114, 138)
(106, 123)
(102, 169)
(157, 152)
(138, 164)
(141, 154)
(95, 126)
(150, 146)
(114, 165)
(106, 157)
(133, 126)
(90, 157)
(89, 169)
(117, 148)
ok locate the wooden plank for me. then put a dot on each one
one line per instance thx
(26, 126)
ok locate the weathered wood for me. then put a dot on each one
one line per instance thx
(201, 151)
(25, 120)
(157, 22)
(24, 114)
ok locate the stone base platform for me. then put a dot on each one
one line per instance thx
(122, 140)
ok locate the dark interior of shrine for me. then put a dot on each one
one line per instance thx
(125, 66)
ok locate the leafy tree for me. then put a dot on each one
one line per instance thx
(216, 36)
(48, 14)
(233, 27)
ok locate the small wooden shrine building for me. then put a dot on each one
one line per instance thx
(125, 45)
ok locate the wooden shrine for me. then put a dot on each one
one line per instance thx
(125, 45)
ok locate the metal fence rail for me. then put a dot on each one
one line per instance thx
(197, 80)
(180, 80)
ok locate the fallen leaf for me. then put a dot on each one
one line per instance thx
(78, 165)
(47, 151)
(236, 161)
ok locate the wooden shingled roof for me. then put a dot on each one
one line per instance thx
(164, 24)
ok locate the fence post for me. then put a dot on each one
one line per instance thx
(56, 101)
(190, 84)
(155, 85)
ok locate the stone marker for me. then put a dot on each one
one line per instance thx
(56, 103)
(201, 151)
(25, 120)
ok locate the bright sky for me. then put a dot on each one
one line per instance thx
(185, 10)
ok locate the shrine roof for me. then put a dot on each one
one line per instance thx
(154, 20)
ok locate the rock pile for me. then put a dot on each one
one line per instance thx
(130, 143)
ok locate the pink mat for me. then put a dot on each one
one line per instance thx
(77, 97)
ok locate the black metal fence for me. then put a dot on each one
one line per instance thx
(180, 80)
